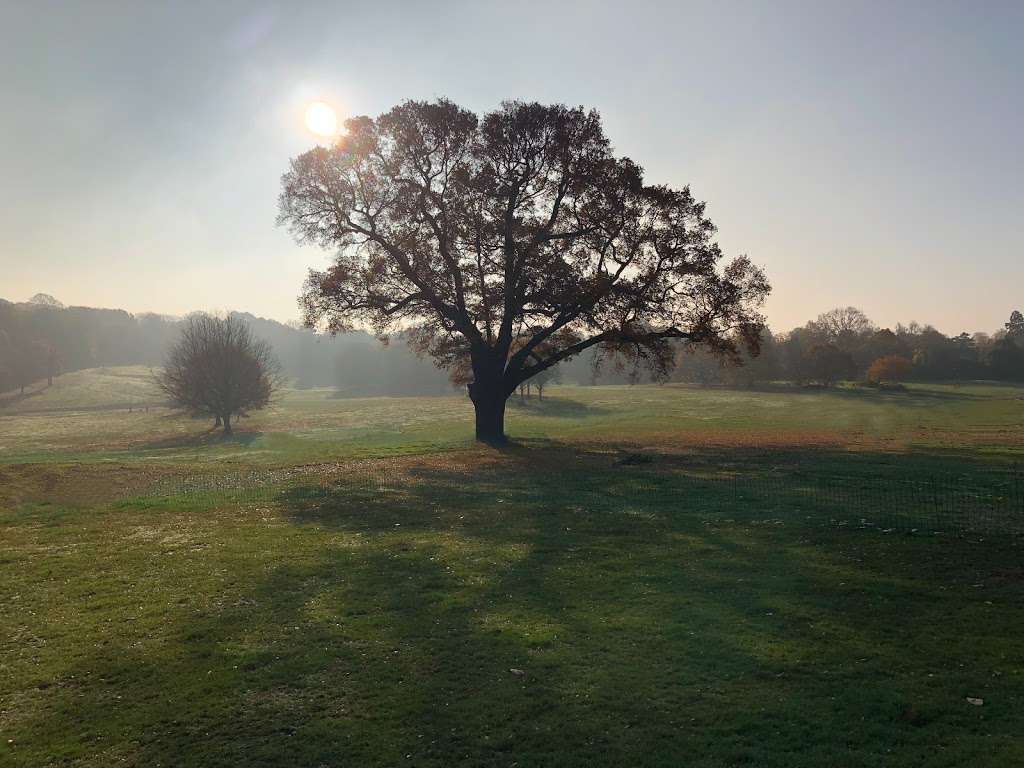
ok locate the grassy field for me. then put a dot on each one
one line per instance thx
(114, 415)
(646, 576)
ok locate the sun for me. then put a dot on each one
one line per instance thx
(321, 119)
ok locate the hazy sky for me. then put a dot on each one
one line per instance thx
(866, 154)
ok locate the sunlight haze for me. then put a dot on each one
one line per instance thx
(467, 384)
(863, 154)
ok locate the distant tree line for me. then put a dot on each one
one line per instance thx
(844, 344)
(42, 339)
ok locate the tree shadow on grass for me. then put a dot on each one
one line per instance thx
(543, 454)
(935, 492)
(911, 395)
(545, 609)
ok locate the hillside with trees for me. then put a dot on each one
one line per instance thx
(844, 344)
(41, 339)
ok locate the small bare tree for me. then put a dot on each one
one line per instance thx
(219, 369)
(545, 377)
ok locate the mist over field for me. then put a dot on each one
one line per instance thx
(52, 337)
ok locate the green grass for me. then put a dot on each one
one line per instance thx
(86, 417)
(95, 388)
(645, 577)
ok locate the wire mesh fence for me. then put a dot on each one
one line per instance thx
(933, 504)
(991, 504)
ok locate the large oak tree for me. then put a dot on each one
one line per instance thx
(517, 239)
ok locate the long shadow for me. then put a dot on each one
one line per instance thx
(934, 491)
(913, 395)
(550, 608)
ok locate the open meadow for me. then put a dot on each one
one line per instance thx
(486, 385)
(702, 577)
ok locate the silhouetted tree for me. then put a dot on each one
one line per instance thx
(827, 364)
(545, 377)
(795, 355)
(1007, 360)
(522, 224)
(843, 326)
(965, 357)
(219, 369)
(6, 361)
(934, 354)
(1015, 327)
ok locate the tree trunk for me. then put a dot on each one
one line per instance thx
(226, 418)
(216, 423)
(489, 406)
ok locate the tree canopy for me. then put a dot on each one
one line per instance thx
(891, 369)
(517, 238)
(1015, 327)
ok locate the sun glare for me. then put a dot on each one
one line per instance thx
(321, 119)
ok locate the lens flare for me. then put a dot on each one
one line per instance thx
(321, 119)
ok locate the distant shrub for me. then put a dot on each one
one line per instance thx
(889, 369)
(219, 368)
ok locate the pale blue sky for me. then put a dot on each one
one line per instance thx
(863, 153)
